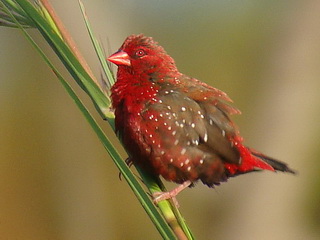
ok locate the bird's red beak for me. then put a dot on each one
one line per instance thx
(120, 58)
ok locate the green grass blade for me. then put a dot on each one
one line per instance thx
(97, 47)
(17, 12)
(101, 101)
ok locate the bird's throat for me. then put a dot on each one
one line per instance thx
(135, 92)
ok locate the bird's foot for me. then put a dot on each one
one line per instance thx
(160, 196)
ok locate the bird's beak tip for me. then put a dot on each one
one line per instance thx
(120, 58)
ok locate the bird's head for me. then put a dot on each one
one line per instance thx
(140, 54)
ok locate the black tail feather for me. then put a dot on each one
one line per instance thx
(276, 164)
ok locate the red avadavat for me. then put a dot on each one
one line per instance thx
(177, 126)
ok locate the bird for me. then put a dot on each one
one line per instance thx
(176, 126)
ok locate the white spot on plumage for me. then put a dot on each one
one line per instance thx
(171, 160)
(183, 109)
(166, 92)
(181, 164)
(183, 151)
(201, 115)
(188, 143)
(223, 133)
(193, 125)
(210, 122)
(177, 123)
(189, 168)
(162, 152)
(205, 137)
(169, 107)
(176, 142)
(161, 115)
(160, 101)
(201, 161)
(181, 125)
(187, 161)
(169, 128)
(174, 133)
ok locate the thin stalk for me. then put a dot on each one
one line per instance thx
(68, 39)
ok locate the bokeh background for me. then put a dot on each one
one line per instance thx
(56, 180)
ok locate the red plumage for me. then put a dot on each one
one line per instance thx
(174, 125)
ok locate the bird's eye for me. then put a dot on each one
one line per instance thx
(140, 53)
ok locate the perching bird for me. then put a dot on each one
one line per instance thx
(174, 125)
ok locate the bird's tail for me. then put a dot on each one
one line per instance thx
(252, 160)
(276, 164)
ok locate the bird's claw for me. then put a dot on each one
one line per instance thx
(160, 196)
(129, 162)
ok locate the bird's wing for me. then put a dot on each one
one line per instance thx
(197, 126)
(202, 92)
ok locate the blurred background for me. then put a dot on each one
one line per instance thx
(57, 181)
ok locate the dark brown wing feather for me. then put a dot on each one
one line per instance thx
(189, 138)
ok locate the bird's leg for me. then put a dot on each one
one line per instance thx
(160, 196)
